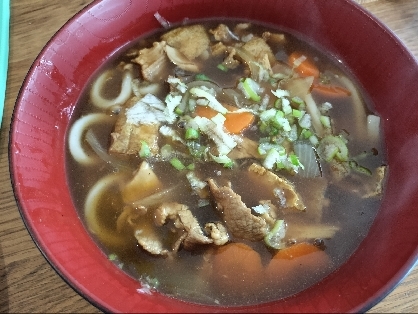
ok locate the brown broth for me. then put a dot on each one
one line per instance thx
(188, 275)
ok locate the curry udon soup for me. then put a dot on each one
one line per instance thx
(225, 164)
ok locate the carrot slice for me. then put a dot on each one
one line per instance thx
(237, 268)
(306, 67)
(294, 261)
(296, 250)
(234, 123)
(205, 112)
(331, 90)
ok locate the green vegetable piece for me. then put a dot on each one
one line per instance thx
(145, 151)
(112, 257)
(177, 164)
(178, 111)
(360, 169)
(202, 77)
(326, 121)
(191, 166)
(294, 160)
(191, 134)
(331, 147)
(278, 103)
(297, 100)
(274, 238)
(249, 90)
(222, 67)
(296, 113)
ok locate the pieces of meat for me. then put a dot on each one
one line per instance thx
(237, 216)
(190, 40)
(184, 221)
(246, 148)
(258, 48)
(282, 189)
(150, 242)
(126, 137)
(153, 61)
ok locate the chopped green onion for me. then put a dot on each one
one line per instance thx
(249, 86)
(112, 257)
(326, 121)
(332, 147)
(296, 113)
(196, 149)
(144, 151)
(223, 160)
(356, 167)
(306, 133)
(222, 67)
(274, 238)
(191, 166)
(178, 111)
(278, 103)
(176, 163)
(202, 77)
(295, 160)
(191, 134)
(297, 100)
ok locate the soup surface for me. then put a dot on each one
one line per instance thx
(225, 163)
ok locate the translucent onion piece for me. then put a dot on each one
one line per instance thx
(313, 110)
(250, 61)
(307, 158)
(317, 231)
(76, 136)
(109, 237)
(180, 60)
(359, 109)
(125, 91)
(102, 153)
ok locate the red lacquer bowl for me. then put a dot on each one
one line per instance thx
(383, 66)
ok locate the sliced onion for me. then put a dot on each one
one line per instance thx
(76, 136)
(125, 91)
(359, 109)
(307, 158)
(313, 110)
(250, 61)
(102, 153)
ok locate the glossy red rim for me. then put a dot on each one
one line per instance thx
(54, 83)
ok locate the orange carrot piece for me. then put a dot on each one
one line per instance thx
(234, 123)
(306, 68)
(296, 250)
(331, 90)
(205, 112)
(237, 268)
(301, 258)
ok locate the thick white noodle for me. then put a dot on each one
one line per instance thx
(91, 206)
(76, 136)
(125, 91)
